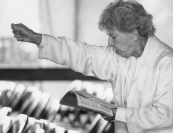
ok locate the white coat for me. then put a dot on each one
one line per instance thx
(142, 87)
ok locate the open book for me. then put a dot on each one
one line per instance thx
(86, 101)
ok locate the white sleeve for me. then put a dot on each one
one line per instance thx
(89, 60)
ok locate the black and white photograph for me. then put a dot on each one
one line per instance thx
(86, 66)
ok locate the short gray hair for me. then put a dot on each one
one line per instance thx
(127, 16)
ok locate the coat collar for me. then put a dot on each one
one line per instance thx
(152, 52)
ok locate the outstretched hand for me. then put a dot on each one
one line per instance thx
(23, 33)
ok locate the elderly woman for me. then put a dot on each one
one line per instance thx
(137, 64)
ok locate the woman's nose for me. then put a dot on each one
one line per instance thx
(110, 43)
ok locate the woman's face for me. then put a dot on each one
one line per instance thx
(122, 43)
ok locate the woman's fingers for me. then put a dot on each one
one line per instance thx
(22, 33)
(16, 32)
(15, 26)
(18, 28)
(18, 36)
(19, 32)
(105, 117)
(20, 39)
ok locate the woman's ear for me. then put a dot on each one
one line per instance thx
(135, 35)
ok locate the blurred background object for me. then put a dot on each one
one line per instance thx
(25, 109)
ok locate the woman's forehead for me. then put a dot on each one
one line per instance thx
(111, 31)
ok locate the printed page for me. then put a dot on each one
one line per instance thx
(92, 105)
(94, 98)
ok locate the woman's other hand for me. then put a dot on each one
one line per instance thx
(110, 118)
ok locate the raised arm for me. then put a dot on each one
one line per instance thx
(81, 57)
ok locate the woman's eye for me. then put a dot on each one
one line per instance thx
(113, 38)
